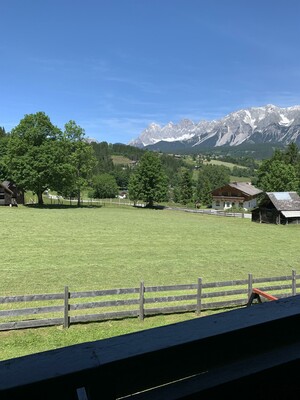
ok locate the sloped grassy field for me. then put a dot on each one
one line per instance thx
(44, 249)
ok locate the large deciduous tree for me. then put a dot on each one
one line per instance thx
(32, 154)
(277, 176)
(104, 187)
(148, 183)
(81, 159)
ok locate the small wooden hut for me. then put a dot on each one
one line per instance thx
(278, 208)
(6, 195)
(10, 195)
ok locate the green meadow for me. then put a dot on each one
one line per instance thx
(89, 248)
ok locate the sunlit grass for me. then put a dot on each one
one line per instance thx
(44, 249)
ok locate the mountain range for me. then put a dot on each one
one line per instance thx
(255, 125)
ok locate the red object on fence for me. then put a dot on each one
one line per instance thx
(256, 293)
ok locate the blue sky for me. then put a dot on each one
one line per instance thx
(114, 66)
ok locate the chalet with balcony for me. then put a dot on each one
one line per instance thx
(278, 208)
(235, 194)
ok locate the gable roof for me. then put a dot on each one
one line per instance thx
(6, 188)
(245, 188)
(285, 201)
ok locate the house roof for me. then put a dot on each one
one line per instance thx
(285, 201)
(3, 185)
(245, 187)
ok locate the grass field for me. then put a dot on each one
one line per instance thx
(42, 250)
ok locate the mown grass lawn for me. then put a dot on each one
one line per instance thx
(44, 249)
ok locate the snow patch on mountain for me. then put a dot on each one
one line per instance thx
(256, 124)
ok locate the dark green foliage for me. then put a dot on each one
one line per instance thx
(33, 154)
(2, 132)
(281, 172)
(172, 166)
(211, 177)
(122, 175)
(103, 156)
(184, 190)
(148, 183)
(242, 172)
(133, 153)
(104, 186)
(79, 160)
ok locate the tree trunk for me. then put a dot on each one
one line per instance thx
(40, 198)
(78, 199)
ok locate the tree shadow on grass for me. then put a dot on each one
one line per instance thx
(62, 206)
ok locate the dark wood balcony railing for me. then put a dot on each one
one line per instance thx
(252, 352)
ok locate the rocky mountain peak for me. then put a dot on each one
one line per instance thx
(256, 125)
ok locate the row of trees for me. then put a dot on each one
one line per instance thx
(38, 156)
(150, 184)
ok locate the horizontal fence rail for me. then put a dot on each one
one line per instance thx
(38, 310)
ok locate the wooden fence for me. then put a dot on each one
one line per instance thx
(71, 307)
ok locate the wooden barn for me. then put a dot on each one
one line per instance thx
(278, 208)
(10, 194)
(235, 194)
(5, 195)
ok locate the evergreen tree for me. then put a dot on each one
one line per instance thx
(185, 187)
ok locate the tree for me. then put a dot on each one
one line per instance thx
(277, 176)
(32, 154)
(3, 159)
(148, 183)
(211, 177)
(104, 187)
(185, 186)
(80, 159)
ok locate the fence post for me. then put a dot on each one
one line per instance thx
(199, 292)
(141, 310)
(66, 308)
(294, 286)
(250, 283)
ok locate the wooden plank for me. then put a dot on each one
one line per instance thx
(35, 323)
(32, 297)
(101, 304)
(170, 288)
(273, 279)
(225, 283)
(169, 310)
(30, 311)
(66, 308)
(223, 304)
(224, 293)
(275, 287)
(199, 296)
(294, 286)
(168, 299)
(141, 301)
(104, 316)
(180, 350)
(106, 292)
(264, 294)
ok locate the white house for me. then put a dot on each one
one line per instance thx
(235, 194)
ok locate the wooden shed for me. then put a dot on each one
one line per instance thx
(6, 195)
(278, 208)
(18, 194)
